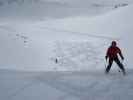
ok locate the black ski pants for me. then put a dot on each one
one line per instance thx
(118, 63)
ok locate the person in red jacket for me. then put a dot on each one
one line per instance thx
(112, 55)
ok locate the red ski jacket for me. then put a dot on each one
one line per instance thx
(113, 52)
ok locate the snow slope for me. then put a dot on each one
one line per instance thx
(116, 25)
(34, 45)
(78, 44)
(51, 9)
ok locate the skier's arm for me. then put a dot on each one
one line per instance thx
(121, 55)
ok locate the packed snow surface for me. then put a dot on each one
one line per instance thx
(82, 85)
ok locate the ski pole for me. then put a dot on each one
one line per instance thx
(105, 64)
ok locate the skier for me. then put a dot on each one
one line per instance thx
(56, 60)
(112, 55)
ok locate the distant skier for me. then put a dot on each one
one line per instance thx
(56, 60)
(112, 55)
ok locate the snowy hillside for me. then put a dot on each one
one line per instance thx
(77, 42)
(49, 9)
(59, 54)
(116, 25)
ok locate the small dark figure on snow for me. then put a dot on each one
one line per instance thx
(112, 55)
(56, 60)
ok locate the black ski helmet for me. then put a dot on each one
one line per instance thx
(114, 43)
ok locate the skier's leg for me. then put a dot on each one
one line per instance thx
(109, 65)
(121, 66)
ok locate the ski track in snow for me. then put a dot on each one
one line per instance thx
(75, 55)
(15, 34)
(79, 33)
(71, 54)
